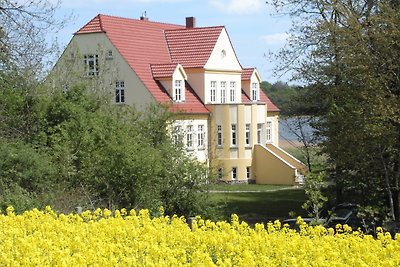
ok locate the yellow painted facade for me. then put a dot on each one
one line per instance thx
(239, 141)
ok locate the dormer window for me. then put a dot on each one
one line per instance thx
(178, 91)
(254, 92)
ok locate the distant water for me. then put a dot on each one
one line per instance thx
(288, 129)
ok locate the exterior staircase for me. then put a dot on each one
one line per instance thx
(273, 165)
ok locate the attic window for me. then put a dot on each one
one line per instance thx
(92, 64)
(109, 54)
(223, 53)
(179, 94)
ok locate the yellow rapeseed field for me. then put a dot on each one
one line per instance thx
(127, 238)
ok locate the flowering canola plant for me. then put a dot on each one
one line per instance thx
(122, 238)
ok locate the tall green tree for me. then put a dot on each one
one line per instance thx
(119, 157)
(348, 52)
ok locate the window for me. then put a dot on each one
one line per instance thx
(200, 136)
(109, 54)
(213, 91)
(189, 137)
(219, 135)
(268, 132)
(223, 92)
(233, 134)
(91, 64)
(119, 92)
(178, 91)
(247, 134)
(259, 133)
(176, 135)
(220, 173)
(234, 173)
(232, 91)
(254, 91)
(248, 172)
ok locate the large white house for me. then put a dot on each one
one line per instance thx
(226, 120)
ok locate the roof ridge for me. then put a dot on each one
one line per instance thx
(148, 21)
(197, 28)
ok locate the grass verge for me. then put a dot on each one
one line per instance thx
(254, 207)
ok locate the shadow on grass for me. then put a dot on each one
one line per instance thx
(254, 207)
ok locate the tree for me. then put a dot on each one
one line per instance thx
(348, 52)
(119, 157)
(24, 25)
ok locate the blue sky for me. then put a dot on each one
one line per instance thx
(254, 32)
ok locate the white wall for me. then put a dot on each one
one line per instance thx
(71, 70)
(200, 153)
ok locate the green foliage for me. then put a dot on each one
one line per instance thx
(314, 183)
(349, 60)
(120, 157)
(26, 174)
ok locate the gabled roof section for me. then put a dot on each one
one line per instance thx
(166, 70)
(246, 73)
(92, 26)
(192, 47)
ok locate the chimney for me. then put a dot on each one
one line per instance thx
(144, 17)
(190, 22)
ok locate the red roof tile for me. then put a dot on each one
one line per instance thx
(270, 105)
(130, 37)
(246, 74)
(163, 70)
(263, 99)
(192, 47)
(92, 26)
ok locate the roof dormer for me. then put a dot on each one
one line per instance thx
(172, 77)
(251, 83)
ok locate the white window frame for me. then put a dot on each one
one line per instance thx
(260, 133)
(223, 92)
(200, 136)
(120, 92)
(234, 173)
(232, 90)
(255, 96)
(177, 134)
(248, 135)
(268, 132)
(213, 91)
(91, 62)
(189, 137)
(178, 91)
(219, 135)
(233, 135)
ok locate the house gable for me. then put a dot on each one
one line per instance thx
(223, 56)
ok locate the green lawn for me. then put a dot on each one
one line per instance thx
(246, 187)
(262, 206)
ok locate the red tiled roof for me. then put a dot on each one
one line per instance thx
(270, 106)
(246, 73)
(130, 37)
(192, 47)
(92, 26)
(163, 70)
(190, 104)
(263, 99)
